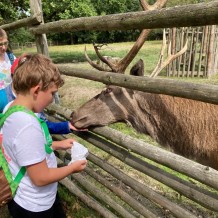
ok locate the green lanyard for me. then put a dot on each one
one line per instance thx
(3, 163)
(43, 124)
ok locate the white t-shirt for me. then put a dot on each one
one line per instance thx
(5, 72)
(23, 145)
(9, 104)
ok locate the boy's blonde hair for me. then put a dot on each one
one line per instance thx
(33, 70)
(3, 34)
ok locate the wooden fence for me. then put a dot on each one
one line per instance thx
(129, 188)
(201, 57)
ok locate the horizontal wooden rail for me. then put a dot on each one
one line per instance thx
(29, 21)
(202, 173)
(197, 194)
(141, 188)
(101, 196)
(195, 91)
(88, 200)
(202, 196)
(141, 208)
(179, 16)
(135, 204)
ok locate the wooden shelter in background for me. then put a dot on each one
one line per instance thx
(201, 57)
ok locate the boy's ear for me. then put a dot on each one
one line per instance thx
(35, 90)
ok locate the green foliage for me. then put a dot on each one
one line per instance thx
(21, 35)
(13, 10)
(54, 10)
(69, 9)
(113, 6)
(183, 2)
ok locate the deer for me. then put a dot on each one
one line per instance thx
(186, 127)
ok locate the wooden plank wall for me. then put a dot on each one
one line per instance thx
(200, 59)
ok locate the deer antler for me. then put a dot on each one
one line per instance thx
(96, 66)
(103, 59)
(121, 66)
(161, 65)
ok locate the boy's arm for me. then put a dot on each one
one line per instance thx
(61, 127)
(41, 175)
(58, 127)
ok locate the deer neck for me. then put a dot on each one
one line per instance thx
(142, 118)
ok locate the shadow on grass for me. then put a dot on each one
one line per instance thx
(70, 57)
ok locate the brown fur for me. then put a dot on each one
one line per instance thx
(188, 127)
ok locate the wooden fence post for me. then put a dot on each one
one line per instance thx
(41, 39)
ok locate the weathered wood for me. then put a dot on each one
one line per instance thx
(190, 53)
(211, 54)
(140, 188)
(205, 45)
(181, 44)
(29, 21)
(89, 201)
(173, 49)
(199, 195)
(201, 53)
(95, 191)
(216, 51)
(41, 40)
(181, 164)
(98, 193)
(195, 51)
(186, 55)
(201, 92)
(179, 16)
(136, 205)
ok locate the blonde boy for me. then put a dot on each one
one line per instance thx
(36, 81)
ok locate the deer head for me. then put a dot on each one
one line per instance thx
(178, 123)
(111, 103)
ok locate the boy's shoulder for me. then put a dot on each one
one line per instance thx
(20, 119)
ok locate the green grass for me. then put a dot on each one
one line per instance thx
(75, 53)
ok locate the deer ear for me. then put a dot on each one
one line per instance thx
(138, 69)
